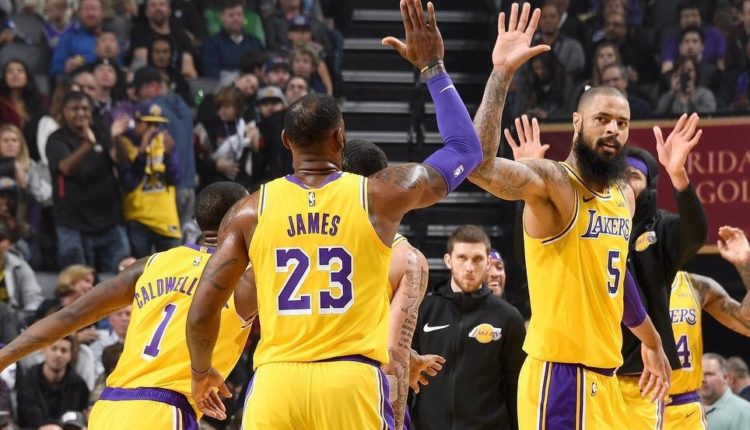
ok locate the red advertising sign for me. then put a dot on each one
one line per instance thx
(719, 167)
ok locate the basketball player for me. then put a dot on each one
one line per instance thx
(577, 219)
(408, 277)
(319, 244)
(150, 385)
(691, 294)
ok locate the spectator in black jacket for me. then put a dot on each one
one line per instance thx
(660, 244)
(479, 335)
(51, 388)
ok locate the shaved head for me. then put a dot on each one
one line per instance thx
(600, 90)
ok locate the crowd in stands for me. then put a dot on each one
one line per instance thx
(111, 108)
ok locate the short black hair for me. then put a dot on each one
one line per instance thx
(311, 119)
(214, 202)
(599, 90)
(363, 158)
(76, 96)
(252, 61)
(687, 5)
(230, 4)
(692, 29)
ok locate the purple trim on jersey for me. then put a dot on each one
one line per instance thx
(562, 400)
(604, 371)
(543, 395)
(684, 398)
(407, 420)
(386, 410)
(160, 395)
(357, 358)
(332, 177)
(208, 249)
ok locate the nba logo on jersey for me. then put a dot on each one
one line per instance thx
(197, 261)
(311, 198)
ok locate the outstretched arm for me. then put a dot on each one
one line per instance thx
(217, 283)
(734, 247)
(413, 269)
(103, 299)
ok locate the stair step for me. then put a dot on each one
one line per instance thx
(455, 62)
(391, 137)
(404, 77)
(448, 16)
(372, 43)
(393, 108)
(441, 6)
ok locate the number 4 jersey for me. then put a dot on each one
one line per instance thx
(155, 353)
(576, 281)
(685, 311)
(321, 272)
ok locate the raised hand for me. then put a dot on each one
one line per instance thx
(513, 45)
(733, 245)
(206, 388)
(424, 44)
(674, 151)
(528, 136)
(421, 364)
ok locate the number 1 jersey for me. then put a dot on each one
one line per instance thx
(155, 353)
(576, 280)
(321, 272)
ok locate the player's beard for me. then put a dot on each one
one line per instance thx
(597, 169)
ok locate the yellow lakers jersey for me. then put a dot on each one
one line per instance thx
(321, 272)
(576, 280)
(152, 192)
(685, 311)
(155, 353)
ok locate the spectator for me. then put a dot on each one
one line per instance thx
(544, 88)
(21, 103)
(736, 59)
(686, 95)
(84, 80)
(159, 56)
(305, 63)
(87, 208)
(739, 377)
(631, 44)
(73, 282)
(187, 16)
(51, 121)
(110, 356)
(724, 409)
(19, 288)
(253, 23)
(158, 23)
(222, 52)
(301, 37)
(277, 26)
(568, 51)
(715, 45)
(479, 335)
(77, 46)
(27, 39)
(73, 420)
(255, 63)
(58, 21)
(616, 76)
(296, 88)
(28, 176)
(247, 84)
(691, 45)
(150, 86)
(9, 329)
(569, 23)
(741, 101)
(106, 96)
(271, 109)
(46, 425)
(148, 169)
(228, 146)
(606, 53)
(52, 387)
(107, 47)
(278, 72)
(495, 278)
(119, 322)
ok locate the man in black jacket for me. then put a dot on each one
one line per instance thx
(480, 336)
(660, 244)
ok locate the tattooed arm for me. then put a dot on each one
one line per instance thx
(716, 301)
(217, 283)
(408, 278)
(105, 298)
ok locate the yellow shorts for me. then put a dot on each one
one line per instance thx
(685, 413)
(642, 413)
(559, 396)
(156, 409)
(332, 395)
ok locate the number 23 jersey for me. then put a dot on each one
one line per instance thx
(156, 353)
(321, 272)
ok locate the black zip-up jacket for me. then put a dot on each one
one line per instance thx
(672, 240)
(480, 336)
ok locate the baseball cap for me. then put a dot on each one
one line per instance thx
(271, 93)
(73, 420)
(148, 111)
(278, 62)
(146, 75)
(102, 62)
(300, 22)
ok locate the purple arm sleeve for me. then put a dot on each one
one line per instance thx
(462, 152)
(634, 314)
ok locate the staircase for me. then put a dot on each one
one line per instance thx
(386, 105)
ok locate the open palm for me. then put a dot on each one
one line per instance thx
(513, 45)
(530, 145)
(674, 151)
(733, 245)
